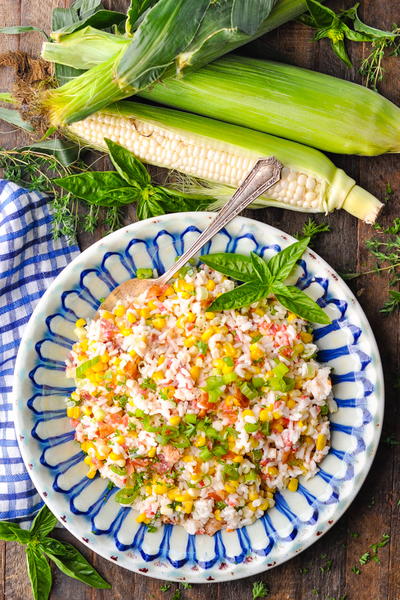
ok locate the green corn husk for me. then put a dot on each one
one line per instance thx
(222, 154)
(192, 33)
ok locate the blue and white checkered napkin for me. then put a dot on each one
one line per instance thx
(29, 261)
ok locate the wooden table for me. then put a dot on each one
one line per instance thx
(375, 510)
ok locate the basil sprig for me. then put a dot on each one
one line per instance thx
(130, 182)
(39, 547)
(262, 279)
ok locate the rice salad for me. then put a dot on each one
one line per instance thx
(198, 417)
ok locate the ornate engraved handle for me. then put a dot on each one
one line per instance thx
(265, 173)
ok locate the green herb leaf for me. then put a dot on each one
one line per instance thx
(43, 523)
(11, 532)
(101, 188)
(261, 268)
(299, 303)
(39, 573)
(17, 29)
(283, 263)
(236, 266)
(259, 590)
(71, 562)
(127, 165)
(311, 229)
(248, 16)
(240, 296)
(9, 115)
(148, 206)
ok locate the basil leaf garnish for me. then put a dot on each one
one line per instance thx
(39, 573)
(43, 523)
(299, 303)
(243, 295)
(236, 266)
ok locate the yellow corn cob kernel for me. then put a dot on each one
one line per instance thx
(141, 518)
(200, 441)
(98, 367)
(251, 506)
(265, 414)
(217, 515)
(188, 458)
(293, 484)
(158, 375)
(187, 506)
(169, 291)
(131, 317)
(91, 473)
(278, 427)
(227, 369)
(83, 345)
(210, 285)
(218, 363)
(196, 478)
(291, 317)
(126, 331)
(190, 317)
(158, 323)
(114, 456)
(300, 424)
(238, 459)
(256, 352)
(273, 471)
(205, 336)
(247, 413)
(102, 453)
(119, 310)
(152, 452)
(189, 341)
(259, 312)
(132, 353)
(180, 497)
(88, 460)
(160, 359)
(276, 414)
(107, 315)
(256, 369)
(309, 440)
(160, 488)
(174, 420)
(209, 315)
(306, 337)
(253, 442)
(120, 439)
(144, 313)
(173, 493)
(81, 357)
(152, 305)
(73, 412)
(105, 357)
(229, 349)
(98, 414)
(148, 489)
(264, 505)
(291, 403)
(75, 396)
(195, 372)
(321, 442)
(80, 323)
(180, 322)
(253, 496)
(230, 489)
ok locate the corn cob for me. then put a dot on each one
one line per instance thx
(193, 33)
(222, 154)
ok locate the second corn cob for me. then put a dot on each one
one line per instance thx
(222, 154)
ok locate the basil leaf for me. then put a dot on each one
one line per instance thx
(148, 206)
(240, 296)
(16, 29)
(43, 523)
(175, 202)
(282, 264)
(261, 268)
(247, 15)
(101, 19)
(12, 532)
(101, 188)
(127, 165)
(12, 116)
(299, 303)
(71, 562)
(339, 49)
(321, 16)
(236, 266)
(363, 28)
(39, 573)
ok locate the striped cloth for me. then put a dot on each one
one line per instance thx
(29, 261)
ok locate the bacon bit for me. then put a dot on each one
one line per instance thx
(105, 429)
(212, 526)
(131, 367)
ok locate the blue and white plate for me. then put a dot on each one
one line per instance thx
(88, 509)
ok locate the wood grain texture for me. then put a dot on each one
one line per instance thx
(375, 510)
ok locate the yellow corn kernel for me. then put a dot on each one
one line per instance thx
(309, 440)
(247, 413)
(278, 427)
(229, 349)
(256, 352)
(173, 493)
(217, 515)
(119, 310)
(91, 473)
(265, 414)
(253, 496)
(229, 400)
(160, 488)
(218, 363)
(210, 285)
(131, 317)
(291, 403)
(189, 341)
(114, 456)
(185, 295)
(106, 314)
(196, 478)
(158, 375)
(73, 412)
(205, 336)
(251, 506)
(227, 369)
(141, 518)
(188, 458)
(98, 367)
(148, 489)
(321, 442)
(195, 372)
(201, 440)
(238, 458)
(209, 315)
(158, 323)
(120, 439)
(169, 291)
(152, 452)
(306, 337)
(259, 312)
(293, 484)
(291, 317)
(180, 322)
(273, 471)
(174, 420)
(253, 442)
(80, 323)
(276, 414)
(264, 505)
(190, 317)
(230, 489)
(102, 454)
(160, 359)
(144, 312)
(88, 460)
(98, 414)
(132, 353)
(300, 424)
(187, 506)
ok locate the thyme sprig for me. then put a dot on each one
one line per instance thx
(372, 68)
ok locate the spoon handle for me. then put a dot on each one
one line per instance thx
(265, 173)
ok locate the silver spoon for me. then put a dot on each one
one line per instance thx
(265, 173)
